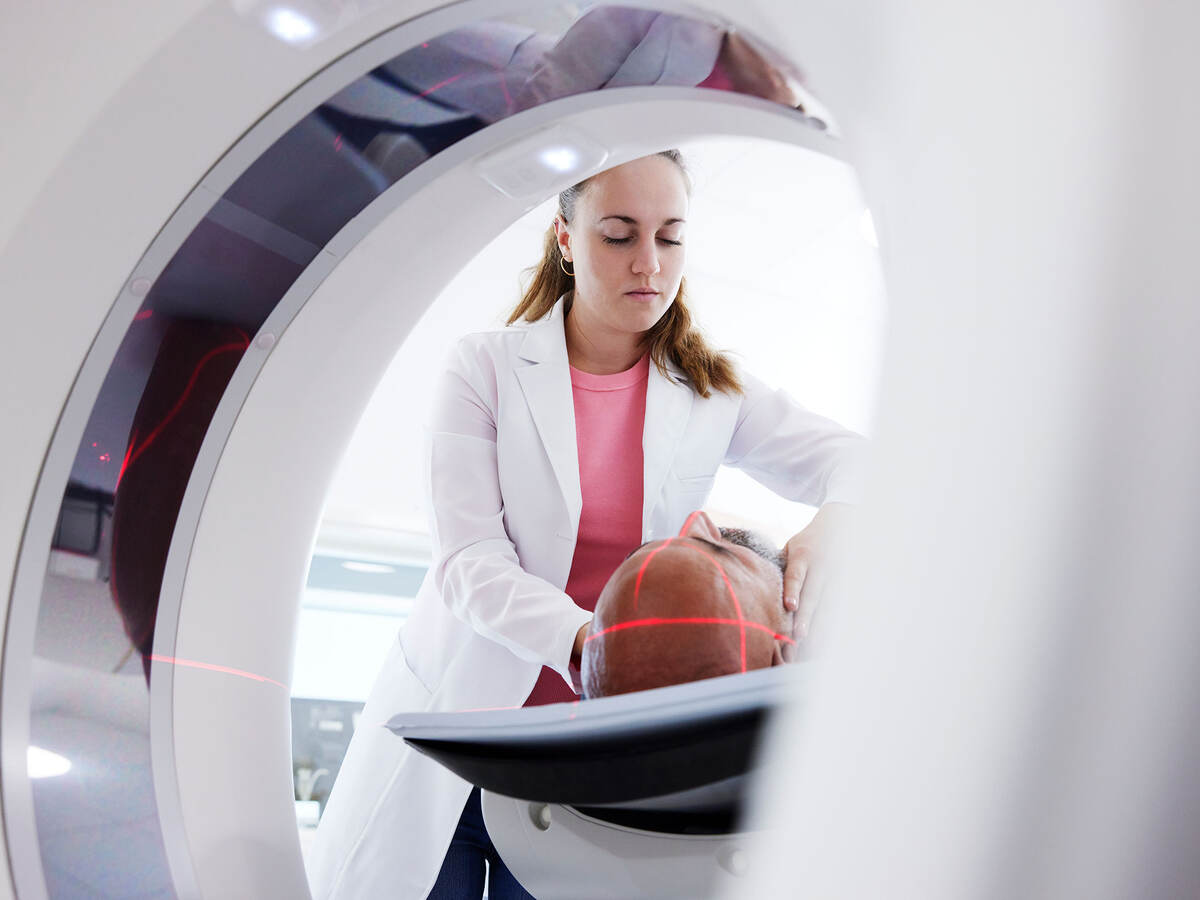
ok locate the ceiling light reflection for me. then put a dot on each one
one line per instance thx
(44, 764)
(291, 26)
(560, 159)
(368, 567)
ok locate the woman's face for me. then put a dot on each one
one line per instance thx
(626, 245)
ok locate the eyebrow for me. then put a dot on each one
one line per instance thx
(629, 220)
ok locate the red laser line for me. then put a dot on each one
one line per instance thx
(213, 667)
(736, 605)
(637, 585)
(741, 619)
(508, 100)
(688, 620)
(688, 523)
(440, 84)
(153, 436)
(124, 465)
(426, 93)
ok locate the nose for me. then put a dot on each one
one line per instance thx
(646, 261)
(698, 524)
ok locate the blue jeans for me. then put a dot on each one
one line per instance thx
(462, 874)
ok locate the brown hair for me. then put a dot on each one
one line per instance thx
(672, 339)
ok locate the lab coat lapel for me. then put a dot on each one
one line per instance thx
(546, 383)
(668, 406)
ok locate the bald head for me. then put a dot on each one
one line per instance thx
(705, 603)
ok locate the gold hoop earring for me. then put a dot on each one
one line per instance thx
(562, 264)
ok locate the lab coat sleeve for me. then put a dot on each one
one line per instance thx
(476, 568)
(793, 451)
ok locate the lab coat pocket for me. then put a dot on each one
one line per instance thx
(431, 637)
(407, 689)
(420, 665)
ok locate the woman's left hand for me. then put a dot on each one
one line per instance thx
(806, 574)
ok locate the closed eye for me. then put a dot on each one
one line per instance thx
(626, 240)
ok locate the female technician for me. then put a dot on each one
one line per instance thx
(556, 448)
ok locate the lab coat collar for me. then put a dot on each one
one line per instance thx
(546, 340)
(668, 407)
(547, 388)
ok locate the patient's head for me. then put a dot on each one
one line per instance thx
(705, 603)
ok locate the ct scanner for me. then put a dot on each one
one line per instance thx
(1005, 702)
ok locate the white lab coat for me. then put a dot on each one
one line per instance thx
(505, 498)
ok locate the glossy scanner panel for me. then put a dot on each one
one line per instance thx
(93, 632)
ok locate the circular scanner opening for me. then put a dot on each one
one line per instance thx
(91, 642)
(783, 271)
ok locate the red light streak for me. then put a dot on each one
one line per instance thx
(130, 458)
(104, 457)
(688, 620)
(125, 464)
(143, 315)
(337, 144)
(428, 91)
(688, 523)
(213, 667)
(737, 606)
(637, 587)
(508, 100)
(440, 85)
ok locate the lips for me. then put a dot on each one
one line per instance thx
(642, 294)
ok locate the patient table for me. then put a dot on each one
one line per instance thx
(637, 795)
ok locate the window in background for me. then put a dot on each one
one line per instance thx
(352, 609)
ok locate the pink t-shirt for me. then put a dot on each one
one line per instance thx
(610, 411)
